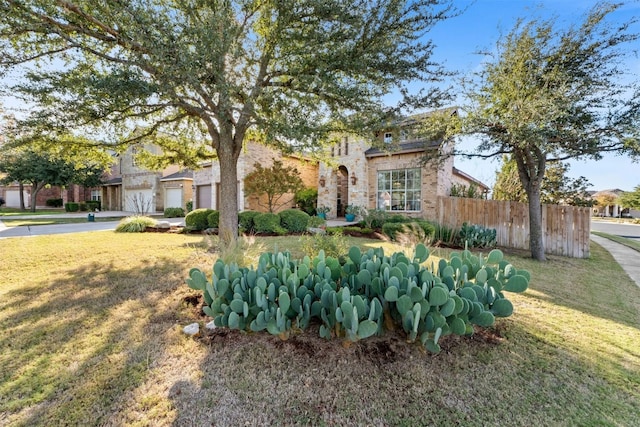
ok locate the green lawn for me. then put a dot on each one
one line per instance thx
(633, 244)
(49, 221)
(8, 212)
(90, 334)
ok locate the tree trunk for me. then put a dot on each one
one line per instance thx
(536, 243)
(34, 194)
(228, 158)
(21, 190)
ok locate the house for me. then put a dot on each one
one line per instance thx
(207, 179)
(134, 188)
(391, 178)
(607, 204)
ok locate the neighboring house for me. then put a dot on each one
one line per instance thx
(207, 179)
(391, 179)
(133, 188)
(613, 209)
(71, 193)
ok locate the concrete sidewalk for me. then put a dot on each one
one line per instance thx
(628, 258)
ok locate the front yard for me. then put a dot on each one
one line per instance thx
(91, 334)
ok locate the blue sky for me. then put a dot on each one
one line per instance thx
(479, 28)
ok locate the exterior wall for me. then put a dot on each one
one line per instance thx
(355, 163)
(432, 184)
(434, 180)
(186, 187)
(252, 154)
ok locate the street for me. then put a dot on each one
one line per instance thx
(629, 231)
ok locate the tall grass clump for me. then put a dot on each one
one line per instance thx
(135, 224)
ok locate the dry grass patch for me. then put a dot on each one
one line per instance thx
(90, 334)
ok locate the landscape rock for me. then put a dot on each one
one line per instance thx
(163, 224)
(211, 325)
(192, 329)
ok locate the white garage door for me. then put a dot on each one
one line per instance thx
(140, 201)
(173, 198)
(13, 198)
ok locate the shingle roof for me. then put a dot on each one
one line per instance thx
(186, 174)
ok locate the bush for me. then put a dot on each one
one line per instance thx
(294, 220)
(2, 202)
(71, 207)
(54, 203)
(245, 221)
(392, 229)
(398, 219)
(197, 219)
(135, 224)
(173, 212)
(189, 205)
(316, 222)
(268, 223)
(333, 244)
(345, 294)
(306, 200)
(83, 206)
(375, 218)
(477, 236)
(213, 219)
(93, 205)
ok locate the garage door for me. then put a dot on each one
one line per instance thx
(173, 198)
(13, 198)
(204, 196)
(139, 201)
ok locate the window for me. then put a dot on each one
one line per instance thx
(388, 137)
(95, 195)
(404, 135)
(399, 190)
(134, 151)
(346, 146)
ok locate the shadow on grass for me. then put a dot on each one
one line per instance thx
(73, 346)
(256, 379)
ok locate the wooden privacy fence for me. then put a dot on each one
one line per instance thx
(565, 229)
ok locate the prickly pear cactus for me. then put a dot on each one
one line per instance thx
(364, 295)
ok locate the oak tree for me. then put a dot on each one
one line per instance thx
(548, 95)
(212, 74)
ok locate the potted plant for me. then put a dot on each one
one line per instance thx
(322, 211)
(351, 211)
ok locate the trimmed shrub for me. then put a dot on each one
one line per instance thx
(83, 206)
(245, 221)
(197, 219)
(135, 224)
(294, 220)
(189, 205)
(315, 222)
(268, 223)
(173, 213)
(92, 205)
(54, 203)
(213, 219)
(71, 207)
(2, 202)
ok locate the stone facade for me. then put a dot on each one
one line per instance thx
(351, 175)
(133, 188)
